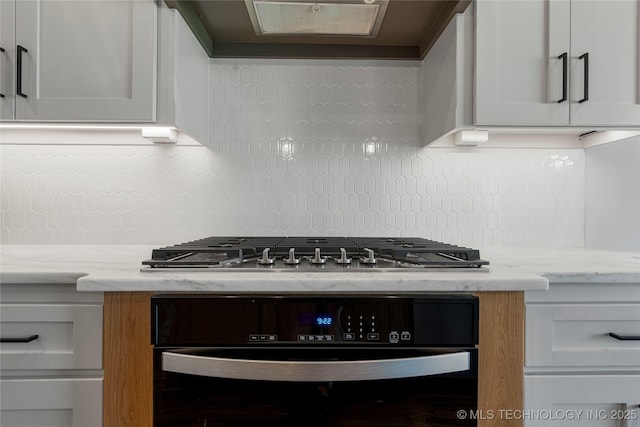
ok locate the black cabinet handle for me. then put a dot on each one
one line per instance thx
(624, 337)
(20, 339)
(585, 58)
(21, 50)
(1, 51)
(564, 58)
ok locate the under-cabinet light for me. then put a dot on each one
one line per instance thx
(156, 134)
(471, 137)
(160, 135)
(65, 126)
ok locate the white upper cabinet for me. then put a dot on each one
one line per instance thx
(81, 60)
(557, 63)
(608, 33)
(518, 77)
(7, 67)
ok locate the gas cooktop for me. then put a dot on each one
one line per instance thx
(314, 254)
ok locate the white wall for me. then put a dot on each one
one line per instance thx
(298, 147)
(612, 209)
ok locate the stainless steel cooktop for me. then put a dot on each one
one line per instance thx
(316, 254)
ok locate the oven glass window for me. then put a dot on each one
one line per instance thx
(182, 400)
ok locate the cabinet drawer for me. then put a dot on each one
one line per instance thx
(577, 335)
(56, 402)
(69, 336)
(582, 400)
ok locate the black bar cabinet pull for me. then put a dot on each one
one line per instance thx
(20, 339)
(21, 50)
(564, 58)
(624, 337)
(1, 51)
(585, 58)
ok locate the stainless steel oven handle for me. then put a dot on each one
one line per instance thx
(302, 371)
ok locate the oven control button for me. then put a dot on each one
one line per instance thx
(312, 337)
(272, 338)
(405, 336)
(349, 336)
(394, 337)
(254, 337)
(373, 336)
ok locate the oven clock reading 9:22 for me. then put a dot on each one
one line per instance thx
(311, 318)
(324, 320)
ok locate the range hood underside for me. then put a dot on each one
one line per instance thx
(409, 29)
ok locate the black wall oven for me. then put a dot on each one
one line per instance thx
(314, 360)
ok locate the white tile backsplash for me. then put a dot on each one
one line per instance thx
(313, 100)
(298, 147)
(160, 194)
(612, 200)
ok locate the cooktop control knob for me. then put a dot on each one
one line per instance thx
(370, 258)
(265, 260)
(343, 260)
(291, 259)
(317, 258)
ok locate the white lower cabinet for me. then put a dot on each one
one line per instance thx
(50, 356)
(577, 335)
(67, 337)
(51, 402)
(582, 400)
(582, 358)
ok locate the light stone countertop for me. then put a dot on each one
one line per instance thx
(117, 268)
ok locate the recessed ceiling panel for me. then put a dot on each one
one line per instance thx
(305, 18)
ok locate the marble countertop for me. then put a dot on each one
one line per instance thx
(117, 268)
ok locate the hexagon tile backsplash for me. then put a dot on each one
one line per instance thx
(306, 147)
(151, 194)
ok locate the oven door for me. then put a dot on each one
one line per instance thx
(314, 387)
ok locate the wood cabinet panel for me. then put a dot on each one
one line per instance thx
(501, 357)
(128, 360)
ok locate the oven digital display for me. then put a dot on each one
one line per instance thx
(315, 319)
(324, 320)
